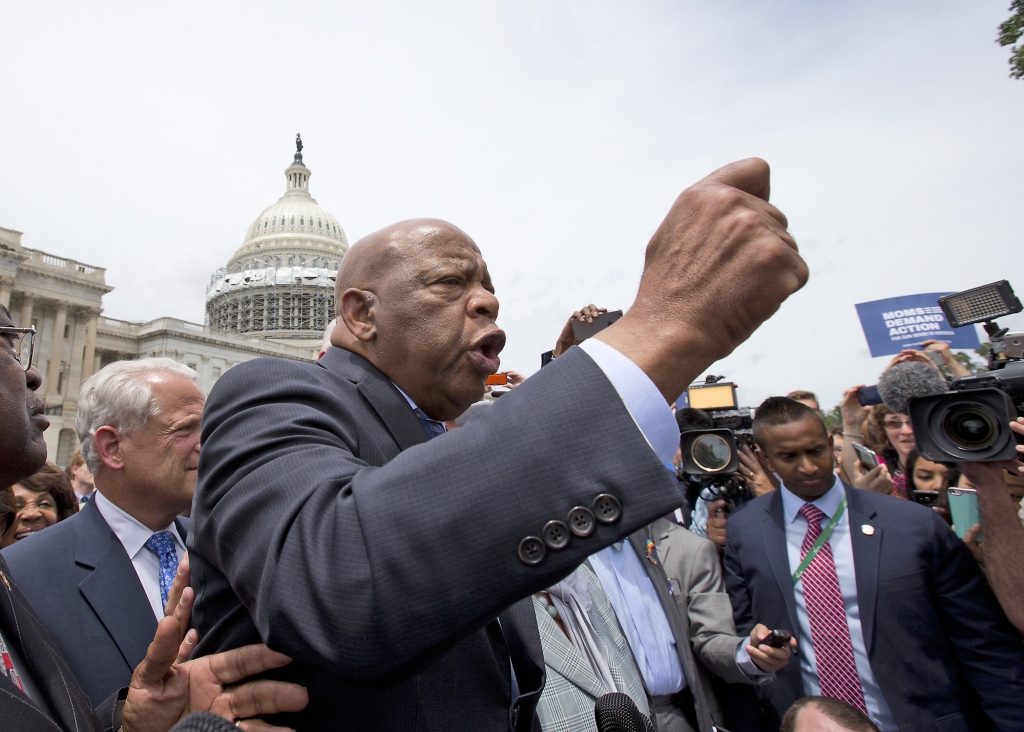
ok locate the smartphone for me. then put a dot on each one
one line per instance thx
(868, 395)
(776, 639)
(584, 330)
(926, 498)
(866, 456)
(936, 357)
(963, 507)
(498, 379)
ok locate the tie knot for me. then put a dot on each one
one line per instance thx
(161, 543)
(812, 513)
(432, 426)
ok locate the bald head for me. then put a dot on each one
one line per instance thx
(415, 299)
(376, 255)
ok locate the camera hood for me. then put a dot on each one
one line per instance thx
(964, 426)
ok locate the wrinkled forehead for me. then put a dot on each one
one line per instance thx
(439, 250)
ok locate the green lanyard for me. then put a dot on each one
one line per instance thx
(825, 534)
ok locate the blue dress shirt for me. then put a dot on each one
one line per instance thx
(842, 554)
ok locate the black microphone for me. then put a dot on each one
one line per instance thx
(904, 381)
(616, 712)
(204, 722)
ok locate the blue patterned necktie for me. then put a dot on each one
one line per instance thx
(432, 426)
(162, 544)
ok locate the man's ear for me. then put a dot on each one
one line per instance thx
(358, 310)
(108, 447)
(763, 459)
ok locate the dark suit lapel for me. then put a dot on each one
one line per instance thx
(50, 673)
(113, 589)
(866, 557)
(773, 528)
(382, 395)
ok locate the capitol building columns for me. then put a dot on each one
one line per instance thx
(274, 298)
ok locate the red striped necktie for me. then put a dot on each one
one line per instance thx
(8, 665)
(830, 634)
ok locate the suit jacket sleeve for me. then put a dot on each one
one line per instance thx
(712, 629)
(986, 644)
(371, 572)
(736, 584)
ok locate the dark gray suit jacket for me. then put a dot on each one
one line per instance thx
(943, 652)
(326, 525)
(85, 591)
(64, 705)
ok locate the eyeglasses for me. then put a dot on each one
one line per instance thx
(895, 424)
(21, 342)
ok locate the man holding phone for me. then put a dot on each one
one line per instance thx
(890, 610)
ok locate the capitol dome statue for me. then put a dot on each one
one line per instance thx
(279, 285)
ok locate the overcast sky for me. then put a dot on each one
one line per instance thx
(146, 139)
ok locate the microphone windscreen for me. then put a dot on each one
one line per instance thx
(617, 713)
(904, 381)
(204, 722)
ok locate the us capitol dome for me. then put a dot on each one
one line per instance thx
(279, 285)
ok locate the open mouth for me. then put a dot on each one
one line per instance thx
(26, 531)
(484, 352)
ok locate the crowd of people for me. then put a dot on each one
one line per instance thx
(334, 545)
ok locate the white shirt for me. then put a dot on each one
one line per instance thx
(133, 536)
(842, 555)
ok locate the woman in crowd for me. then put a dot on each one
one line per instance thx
(8, 510)
(924, 475)
(42, 500)
(891, 436)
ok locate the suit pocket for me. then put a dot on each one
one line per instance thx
(911, 581)
(951, 723)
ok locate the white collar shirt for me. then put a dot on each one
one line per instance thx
(842, 555)
(133, 536)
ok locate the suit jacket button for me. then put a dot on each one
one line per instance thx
(556, 535)
(581, 521)
(607, 508)
(532, 551)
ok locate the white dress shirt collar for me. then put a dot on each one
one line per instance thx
(132, 533)
(828, 503)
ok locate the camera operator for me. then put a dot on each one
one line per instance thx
(1004, 533)
(711, 498)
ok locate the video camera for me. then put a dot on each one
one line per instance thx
(971, 421)
(711, 455)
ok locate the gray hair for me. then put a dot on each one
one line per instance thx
(327, 335)
(120, 395)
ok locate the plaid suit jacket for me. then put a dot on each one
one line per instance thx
(572, 689)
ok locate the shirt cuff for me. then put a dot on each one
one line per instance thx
(747, 666)
(643, 401)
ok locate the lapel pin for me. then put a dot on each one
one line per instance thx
(867, 529)
(6, 583)
(650, 552)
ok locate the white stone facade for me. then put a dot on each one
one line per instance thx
(275, 298)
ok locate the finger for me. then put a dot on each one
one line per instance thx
(181, 581)
(231, 666)
(972, 533)
(751, 176)
(187, 646)
(183, 610)
(256, 698)
(161, 653)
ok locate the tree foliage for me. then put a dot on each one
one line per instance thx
(1010, 31)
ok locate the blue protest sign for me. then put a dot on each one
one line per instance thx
(898, 323)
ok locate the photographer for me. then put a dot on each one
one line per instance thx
(1004, 534)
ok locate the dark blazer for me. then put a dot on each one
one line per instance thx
(85, 591)
(939, 645)
(326, 525)
(67, 705)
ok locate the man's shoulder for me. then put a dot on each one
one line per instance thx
(679, 536)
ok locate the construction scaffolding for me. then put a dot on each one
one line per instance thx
(274, 302)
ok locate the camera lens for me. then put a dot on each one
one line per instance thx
(711, 453)
(969, 427)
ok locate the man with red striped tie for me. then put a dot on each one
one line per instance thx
(891, 613)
